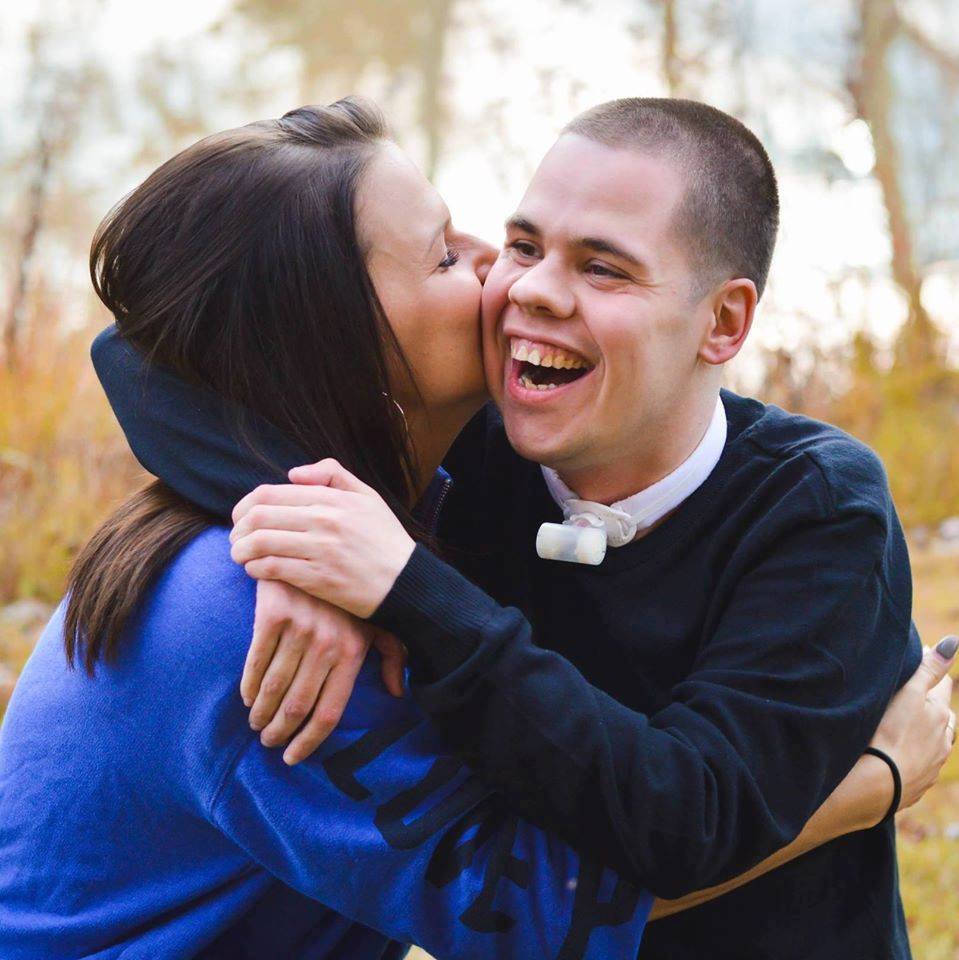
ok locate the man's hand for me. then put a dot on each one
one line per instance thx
(328, 534)
(302, 666)
(918, 727)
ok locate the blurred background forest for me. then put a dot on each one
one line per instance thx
(857, 101)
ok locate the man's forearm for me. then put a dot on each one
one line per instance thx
(858, 803)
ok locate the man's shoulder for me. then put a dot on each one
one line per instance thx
(848, 474)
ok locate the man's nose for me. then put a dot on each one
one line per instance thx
(540, 290)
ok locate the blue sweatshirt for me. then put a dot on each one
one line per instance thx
(140, 817)
(679, 711)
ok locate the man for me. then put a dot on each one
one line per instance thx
(751, 618)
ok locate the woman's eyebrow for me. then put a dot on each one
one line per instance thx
(442, 229)
(428, 247)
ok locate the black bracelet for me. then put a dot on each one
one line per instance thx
(896, 782)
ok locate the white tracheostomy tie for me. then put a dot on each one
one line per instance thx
(588, 528)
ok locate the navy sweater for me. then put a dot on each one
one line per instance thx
(682, 709)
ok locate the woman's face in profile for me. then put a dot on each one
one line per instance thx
(429, 279)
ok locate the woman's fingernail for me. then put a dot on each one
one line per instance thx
(290, 758)
(947, 646)
(256, 723)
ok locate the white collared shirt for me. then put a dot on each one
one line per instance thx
(625, 518)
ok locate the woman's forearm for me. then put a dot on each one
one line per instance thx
(859, 802)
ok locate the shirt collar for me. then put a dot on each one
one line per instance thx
(625, 518)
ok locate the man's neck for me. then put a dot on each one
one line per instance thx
(671, 444)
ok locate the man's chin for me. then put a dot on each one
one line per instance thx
(531, 444)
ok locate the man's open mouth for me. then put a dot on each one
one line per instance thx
(541, 366)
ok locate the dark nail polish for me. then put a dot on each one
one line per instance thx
(947, 646)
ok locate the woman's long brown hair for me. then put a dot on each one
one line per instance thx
(237, 265)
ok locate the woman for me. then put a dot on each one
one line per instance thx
(306, 272)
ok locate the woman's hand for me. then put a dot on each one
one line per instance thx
(328, 534)
(302, 665)
(918, 728)
(916, 731)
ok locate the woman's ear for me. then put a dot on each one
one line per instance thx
(734, 304)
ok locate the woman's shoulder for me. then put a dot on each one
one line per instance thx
(201, 599)
(206, 560)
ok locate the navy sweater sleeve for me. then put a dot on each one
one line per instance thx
(187, 435)
(785, 694)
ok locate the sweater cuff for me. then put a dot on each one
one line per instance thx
(436, 612)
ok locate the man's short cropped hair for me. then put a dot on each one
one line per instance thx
(730, 214)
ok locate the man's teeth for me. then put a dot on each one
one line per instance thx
(529, 385)
(543, 355)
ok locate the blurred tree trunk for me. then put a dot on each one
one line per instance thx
(669, 51)
(691, 32)
(42, 98)
(432, 106)
(36, 199)
(63, 95)
(340, 40)
(872, 93)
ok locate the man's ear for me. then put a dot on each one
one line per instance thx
(733, 306)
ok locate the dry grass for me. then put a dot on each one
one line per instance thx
(929, 832)
(63, 465)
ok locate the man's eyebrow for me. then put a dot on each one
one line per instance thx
(599, 245)
(595, 244)
(517, 222)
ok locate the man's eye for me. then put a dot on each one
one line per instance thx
(598, 270)
(523, 248)
(452, 257)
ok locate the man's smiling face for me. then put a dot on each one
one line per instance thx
(592, 322)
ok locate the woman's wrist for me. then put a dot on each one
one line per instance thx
(875, 790)
(894, 775)
(860, 802)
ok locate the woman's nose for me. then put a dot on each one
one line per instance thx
(484, 257)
